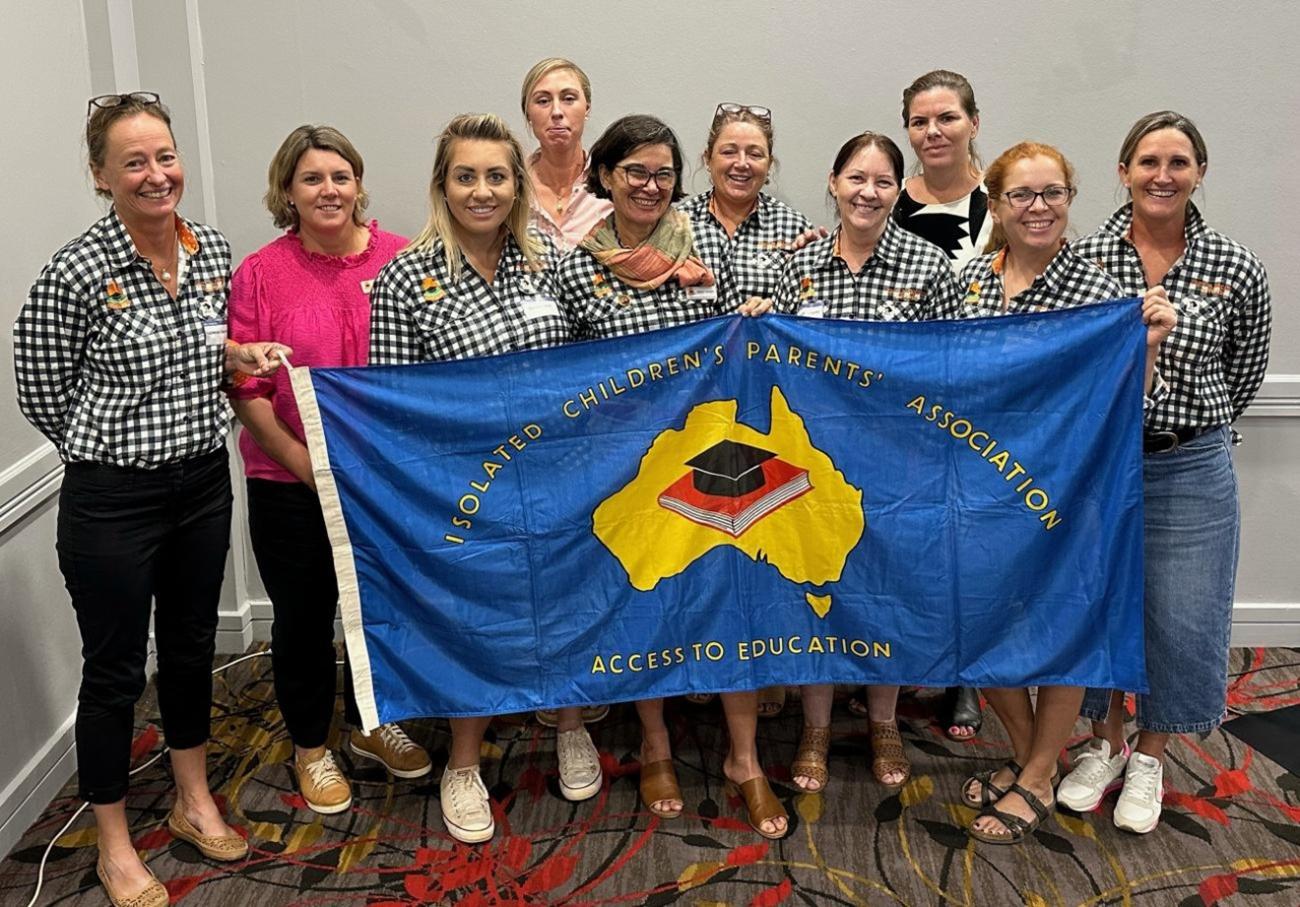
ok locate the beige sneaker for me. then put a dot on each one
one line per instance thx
(323, 785)
(466, 808)
(391, 748)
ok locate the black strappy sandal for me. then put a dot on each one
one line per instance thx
(1017, 829)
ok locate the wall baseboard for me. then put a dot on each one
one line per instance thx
(1266, 624)
(36, 785)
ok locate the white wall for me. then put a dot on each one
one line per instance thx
(239, 74)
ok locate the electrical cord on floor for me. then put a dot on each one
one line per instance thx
(40, 869)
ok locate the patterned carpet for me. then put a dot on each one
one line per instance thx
(1230, 834)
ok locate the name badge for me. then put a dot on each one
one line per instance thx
(214, 325)
(701, 294)
(539, 307)
(813, 308)
(214, 333)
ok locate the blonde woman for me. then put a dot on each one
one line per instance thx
(477, 282)
(556, 100)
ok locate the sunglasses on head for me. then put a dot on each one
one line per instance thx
(109, 101)
(728, 107)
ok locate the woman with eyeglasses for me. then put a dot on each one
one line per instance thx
(638, 270)
(119, 354)
(744, 236)
(477, 281)
(1029, 267)
(309, 288)
(1214, 363)
(944, 202)
(556, 100)
(868, 268)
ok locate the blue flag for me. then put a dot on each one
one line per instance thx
(739, 503)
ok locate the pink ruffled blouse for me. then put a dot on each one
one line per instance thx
(318, 304)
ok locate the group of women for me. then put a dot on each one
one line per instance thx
(134, 329)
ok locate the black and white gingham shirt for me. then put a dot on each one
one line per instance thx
(1215, 359)
(419, 314)
(905, 279)
(111, 368)
(598, 304)
(750, 262)
(1066, 282)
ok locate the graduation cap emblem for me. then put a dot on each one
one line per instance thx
(732, 485)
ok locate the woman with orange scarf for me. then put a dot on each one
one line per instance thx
(638, 270)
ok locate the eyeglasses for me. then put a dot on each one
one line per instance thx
(728, 107)
(109, 101)
(1052, 195)
(638, 177)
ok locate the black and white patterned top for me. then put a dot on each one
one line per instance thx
(109, 366)
(1215, 359)
(598, 304)
(960, 228)
(750, 262)
(1066, 282)
(905, 279)
(419, 314)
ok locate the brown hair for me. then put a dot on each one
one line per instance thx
(875, 140)
(544, 68)
(101, 119)
(279, 175)
(954, 82)
(621, 138)
(486, 127)
(995, 179)
(723, 120)
(1154, 122)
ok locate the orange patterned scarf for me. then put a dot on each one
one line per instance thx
(668, 252)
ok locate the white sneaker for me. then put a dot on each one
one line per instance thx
(466, 810)
(1138, 809)
(1096, 773)
(580, 776)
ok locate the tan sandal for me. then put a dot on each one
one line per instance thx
(225, 848)
(152, 895)
(659, 783)
(810, 759)
(771, 700)
(887, 756)
(761, 804)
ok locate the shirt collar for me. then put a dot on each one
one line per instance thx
(888, 247)
(1120, 224)
(761, 207)
(1052, 275)
(120, 248)
(582, 177)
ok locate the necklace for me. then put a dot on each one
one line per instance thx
(164, 270)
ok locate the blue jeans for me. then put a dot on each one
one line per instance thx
(1191, 543)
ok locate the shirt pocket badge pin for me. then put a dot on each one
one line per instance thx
(603, 289)
(973, 293)
(431, 289)
(114, 297)
(806, 288)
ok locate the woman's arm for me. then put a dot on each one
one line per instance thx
(1245, 354)
(277, 441)
(49, 337)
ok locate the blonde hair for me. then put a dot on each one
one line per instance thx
(995, 179)
(544, 68)
(279, 176)
(484, 127)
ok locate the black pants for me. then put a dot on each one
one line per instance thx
(293, 556)
(127, 539)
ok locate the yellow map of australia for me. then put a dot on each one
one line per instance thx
(773, 496)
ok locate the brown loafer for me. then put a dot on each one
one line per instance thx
(225, 848)
(153, 895)
(762, 805)
(659, 782)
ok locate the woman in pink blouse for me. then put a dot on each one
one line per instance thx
(556, 99)
(312, 284)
